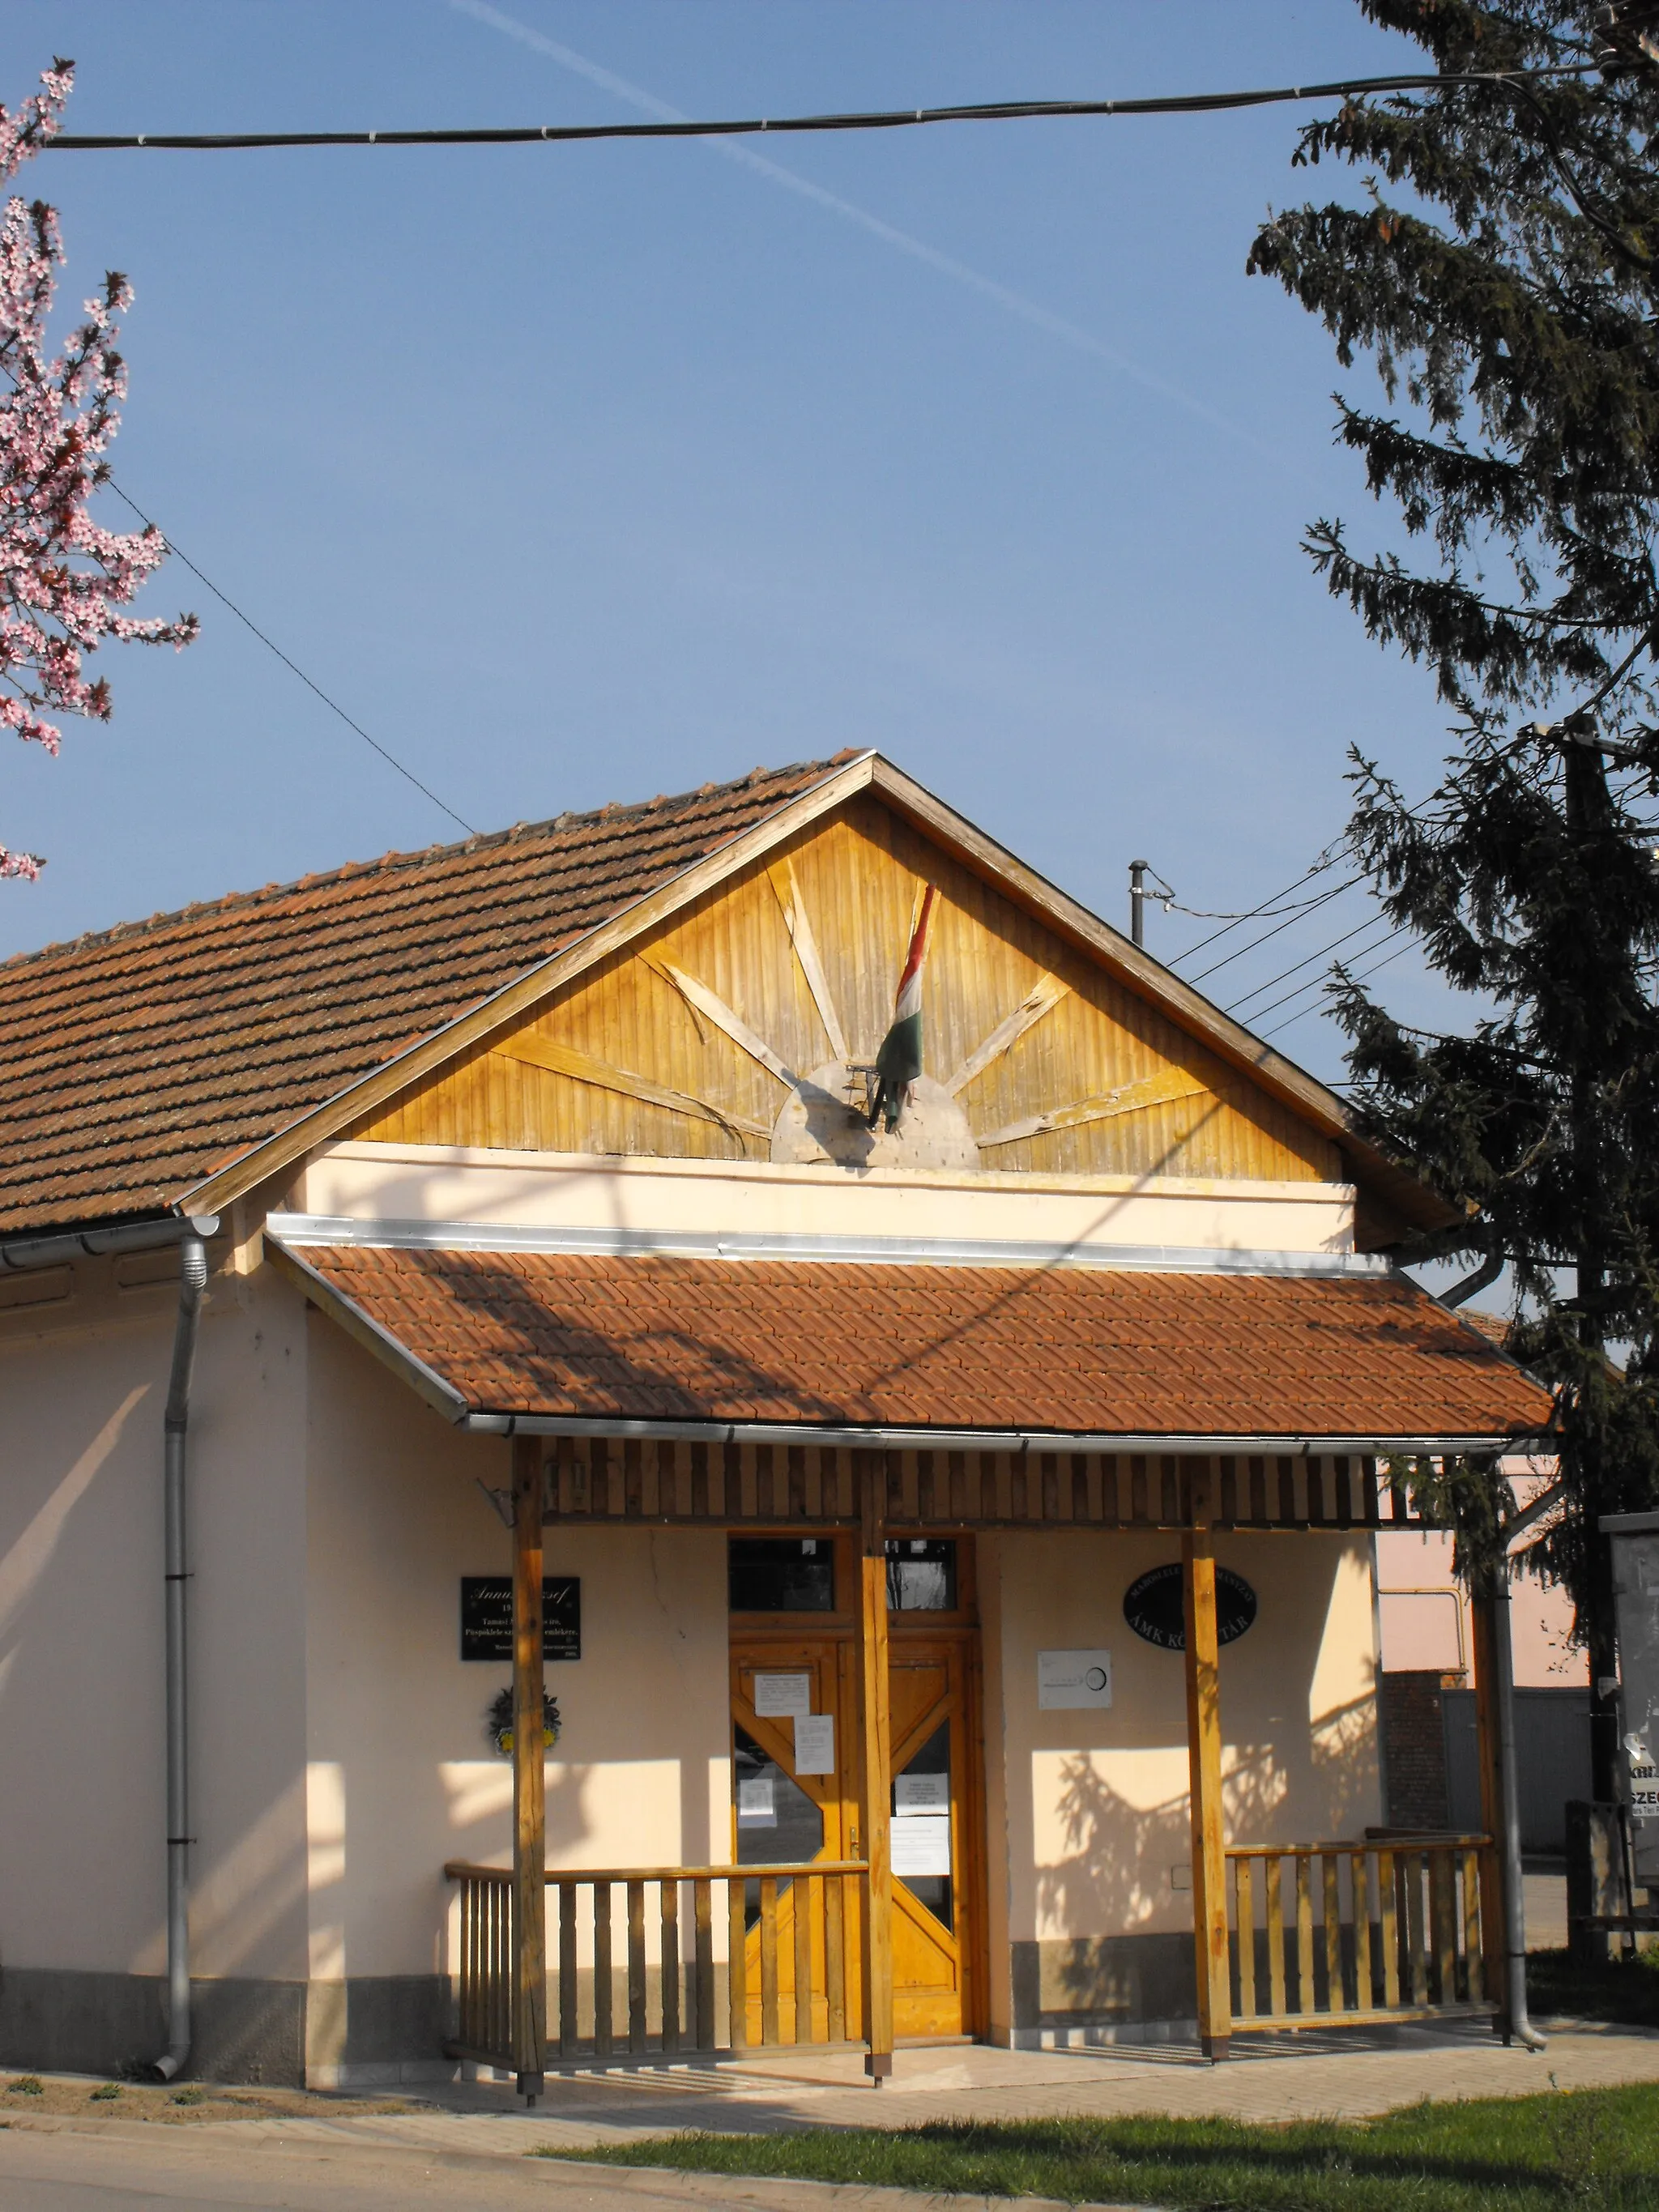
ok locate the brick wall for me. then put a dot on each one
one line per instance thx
(1415, 1748)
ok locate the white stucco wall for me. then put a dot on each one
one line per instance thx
(638, 1195)
(83, 1853)
(336, 1735)
(1096, 1802)
(400, 1778)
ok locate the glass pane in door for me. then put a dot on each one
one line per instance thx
(921, 1825)
(778, 1824)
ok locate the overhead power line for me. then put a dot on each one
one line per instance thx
(1269, 906)
(1277, 929)
(891, 118)
(1285, 974)
(1317, 983)
(1387, 961)
(271, 645)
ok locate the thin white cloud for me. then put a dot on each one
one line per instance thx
(903, 241)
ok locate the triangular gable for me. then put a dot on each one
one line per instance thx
(694, 1041)
(678, 1026)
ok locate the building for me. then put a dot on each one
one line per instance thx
(1431, 1752)
(568, 1309)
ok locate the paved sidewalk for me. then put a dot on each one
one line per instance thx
(1311, 2076)
(468, 2144)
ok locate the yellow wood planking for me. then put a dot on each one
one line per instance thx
(1159, 1090)
(1042, 999)
(734, 1025)
(797, 922)
(1174, 1108)
(560, 1059)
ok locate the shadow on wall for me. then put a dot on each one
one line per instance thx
(1119, 1857)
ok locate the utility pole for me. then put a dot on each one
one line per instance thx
(1137, 895)
(1588, 809)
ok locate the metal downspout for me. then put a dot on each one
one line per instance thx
(192, 1283)
(1520, 2029)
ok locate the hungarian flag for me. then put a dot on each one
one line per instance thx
(899, 1061)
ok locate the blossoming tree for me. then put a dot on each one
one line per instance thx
(64, 577)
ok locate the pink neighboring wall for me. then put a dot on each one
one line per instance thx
(1425, 1614)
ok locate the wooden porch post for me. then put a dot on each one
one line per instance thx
(529, 1807)
(1204, 1758)
(875, 1755)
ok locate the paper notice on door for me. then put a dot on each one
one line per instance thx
(779, 1696)
(815, 1743)
(921, 1843)
(921, 1793)
(758, 1801)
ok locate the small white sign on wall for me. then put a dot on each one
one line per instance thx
(815, 1743)
(921, 1793)
(777, 1697)
(1072, 1680)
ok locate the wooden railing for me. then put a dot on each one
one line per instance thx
(791, 1978)
(1346, 1933)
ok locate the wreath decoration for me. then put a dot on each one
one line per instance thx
(498, 1721)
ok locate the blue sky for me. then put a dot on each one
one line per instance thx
(581, 473)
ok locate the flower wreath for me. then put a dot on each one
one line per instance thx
(498, 1721)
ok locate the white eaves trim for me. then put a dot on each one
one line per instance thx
(415, 1236)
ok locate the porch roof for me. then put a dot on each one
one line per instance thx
(552, 1338)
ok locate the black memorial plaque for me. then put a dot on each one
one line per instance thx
(1154, 1605)
(487, 1617)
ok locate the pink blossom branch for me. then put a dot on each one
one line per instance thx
(64, 577)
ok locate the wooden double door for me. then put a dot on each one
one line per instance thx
(790, 1809)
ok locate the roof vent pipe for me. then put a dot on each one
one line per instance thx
(192, 1285)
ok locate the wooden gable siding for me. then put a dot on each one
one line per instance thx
(1175, 1108)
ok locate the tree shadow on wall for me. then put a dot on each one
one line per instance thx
(1114, 1878)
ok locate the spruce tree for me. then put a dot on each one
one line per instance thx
(1497, 258)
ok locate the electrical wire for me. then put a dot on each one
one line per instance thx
(1204, 914)
(1285, 974)
(1388, 961)
(1317, 983)
(270, 645)
(1324, 899)
(1269, 905)
(901, 118)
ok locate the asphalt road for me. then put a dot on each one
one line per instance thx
(203, 2169)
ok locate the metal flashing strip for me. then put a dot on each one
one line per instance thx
(405, 1236)
(380, 1340)
(878, 1438)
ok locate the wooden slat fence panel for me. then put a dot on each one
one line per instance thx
(669, 1973)
(1400, 1922)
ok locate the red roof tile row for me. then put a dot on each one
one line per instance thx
(134, 1062)
(901, 1345)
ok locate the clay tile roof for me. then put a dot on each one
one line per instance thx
(1495, 1327)
(1075, 1350)
(134, 1062)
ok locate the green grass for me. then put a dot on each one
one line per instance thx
(1593, 2149)
(1625, 1990)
